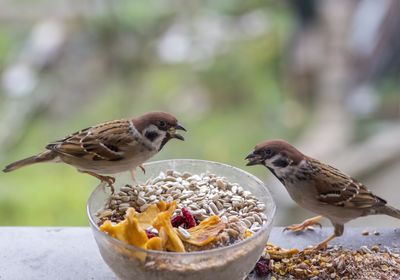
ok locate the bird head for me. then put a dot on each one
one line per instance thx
(276, 155)
(158, 128)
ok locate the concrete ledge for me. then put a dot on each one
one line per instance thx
(71, 252)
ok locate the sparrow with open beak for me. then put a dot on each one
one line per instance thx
(111, 147)
(319, 187)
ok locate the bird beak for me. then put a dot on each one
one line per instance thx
(179, 127)
(173, 134)
(253, 159)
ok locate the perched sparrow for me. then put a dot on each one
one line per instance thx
(111, 147)
(319, 187)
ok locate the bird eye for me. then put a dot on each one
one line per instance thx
(162, 123)
(267, 152)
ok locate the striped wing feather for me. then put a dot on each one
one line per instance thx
(106, 141)
(338, 189)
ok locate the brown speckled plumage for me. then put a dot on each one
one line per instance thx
(319, 187)
(110, 147)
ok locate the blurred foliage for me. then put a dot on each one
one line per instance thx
(229, 98)
(219, 66)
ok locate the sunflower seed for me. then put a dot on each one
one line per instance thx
(185, 234)
(143, 207)
(104, 214)
(125, 198)
(204, 194)
(234, 189)
(140, 201)
(232, 232)
(126, 189)
(257, 218)
(247, 222)
(214, 208)
(221, 184)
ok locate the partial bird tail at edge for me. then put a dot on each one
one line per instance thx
(390, 211)
(42, 157)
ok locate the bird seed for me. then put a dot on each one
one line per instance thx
(333, 263)
(204, 195)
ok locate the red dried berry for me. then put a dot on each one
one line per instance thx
(190, 221)
(262, 267)
(177, 221)
(150, 234)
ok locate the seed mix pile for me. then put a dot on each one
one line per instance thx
(202, 195)
(333, 263)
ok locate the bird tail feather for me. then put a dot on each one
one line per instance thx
(42, 157)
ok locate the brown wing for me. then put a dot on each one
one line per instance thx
(338, 189)
(107, 141)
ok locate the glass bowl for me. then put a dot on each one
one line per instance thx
(231, 262)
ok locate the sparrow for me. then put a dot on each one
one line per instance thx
(111, 147)
(319, 187)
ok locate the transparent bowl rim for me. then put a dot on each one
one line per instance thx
(117, 242)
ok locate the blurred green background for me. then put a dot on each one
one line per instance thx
(233, 72)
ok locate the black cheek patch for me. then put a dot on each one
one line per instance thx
(151, 135)
(280, 162)
(164, 141)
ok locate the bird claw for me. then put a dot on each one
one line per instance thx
(285, 229)
(301, 227)
(112, 189)
(320, 247)
(104, 179)
(313, 248)
(289, 228)
(110, 182)
(297, 228)
(306, 225)
(133, 173)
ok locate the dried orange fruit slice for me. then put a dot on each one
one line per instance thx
(128, 231)
(206, 232)
(170, 238)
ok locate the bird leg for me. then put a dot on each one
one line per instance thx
(107, 179)
(324, 243)
(133, 173)
(338, 232)
(307, 224)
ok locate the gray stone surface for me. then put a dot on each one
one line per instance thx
(71, 253)
(50, 253)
